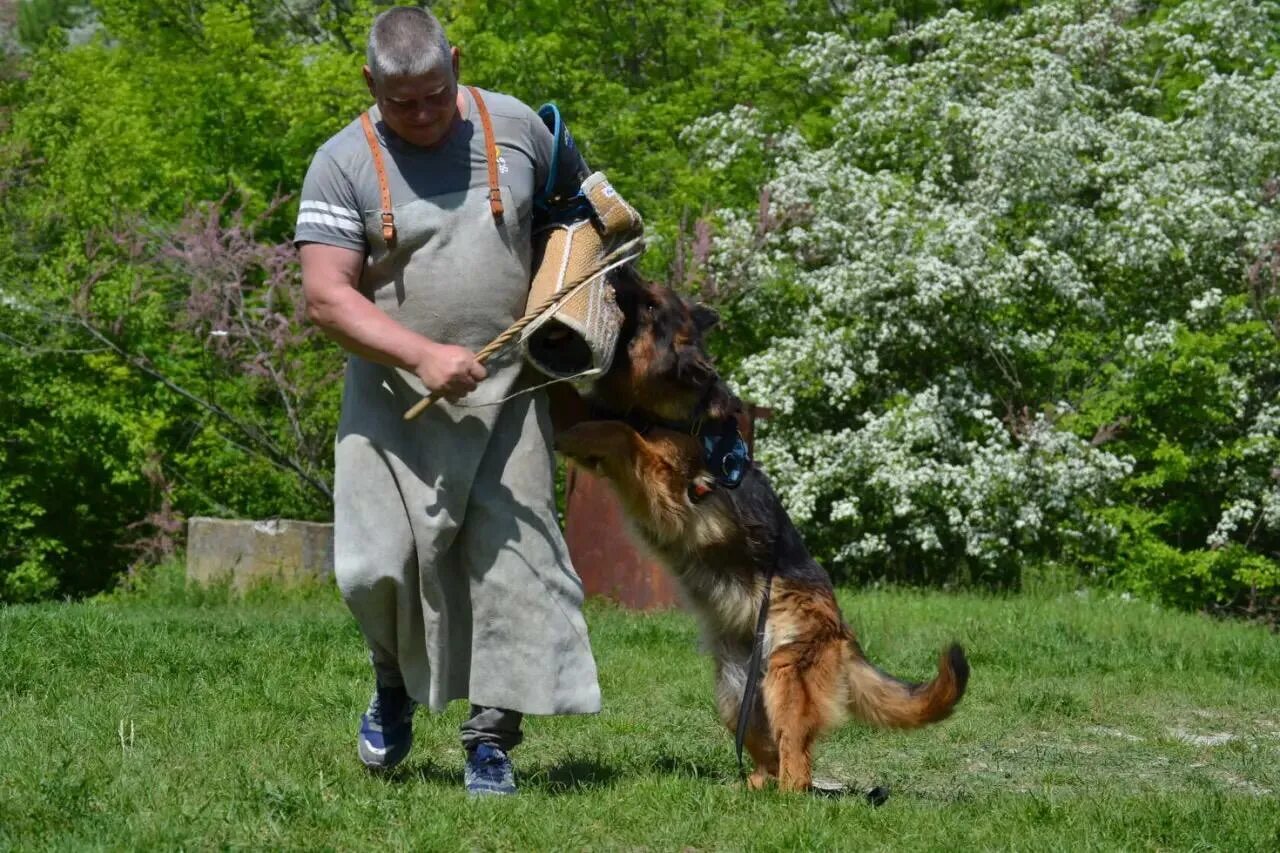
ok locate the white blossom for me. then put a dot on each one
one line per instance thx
(1013, 178)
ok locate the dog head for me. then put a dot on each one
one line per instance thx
(659, 476)
(661, 367)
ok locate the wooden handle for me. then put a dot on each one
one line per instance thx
(498, 343)
(422, 405)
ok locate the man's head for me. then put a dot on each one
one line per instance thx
(412, 72)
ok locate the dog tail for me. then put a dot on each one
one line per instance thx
(877, 698)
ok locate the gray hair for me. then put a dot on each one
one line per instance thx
(406, 42)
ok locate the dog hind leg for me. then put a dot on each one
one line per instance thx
(787, 705)
(764, 752)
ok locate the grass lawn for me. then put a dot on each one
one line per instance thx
(170, 719)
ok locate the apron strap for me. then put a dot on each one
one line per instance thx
(491, 153)
(388, 218)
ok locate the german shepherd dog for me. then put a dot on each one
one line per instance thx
(721, 544)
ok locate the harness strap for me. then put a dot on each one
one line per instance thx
(388, 218)
(753, 672)
(490, 152)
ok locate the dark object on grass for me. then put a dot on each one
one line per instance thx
(877, 796)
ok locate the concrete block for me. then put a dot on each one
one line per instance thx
(244, 552)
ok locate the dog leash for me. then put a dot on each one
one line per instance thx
(753, 672)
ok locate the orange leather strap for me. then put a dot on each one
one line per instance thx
(388, 218)
(491, 153)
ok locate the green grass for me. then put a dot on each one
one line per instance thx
(169, 719)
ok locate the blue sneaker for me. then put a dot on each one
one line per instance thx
(489, 771)
(386, 729)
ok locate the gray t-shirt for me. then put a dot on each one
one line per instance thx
(456, 273)
(340, 193)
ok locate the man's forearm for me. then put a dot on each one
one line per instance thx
(330, 283)
(360, 327)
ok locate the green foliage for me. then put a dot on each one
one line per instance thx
(1021, 305)
(139, 218)
(37, 18)
(1147, 564)
(1191, 403)
(631, 77)
(131, 415)
(146, 173)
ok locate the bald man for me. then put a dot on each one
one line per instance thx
(447, 547)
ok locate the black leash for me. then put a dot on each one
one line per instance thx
(753, 672)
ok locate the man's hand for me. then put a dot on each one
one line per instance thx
(330, 281)
(451, 371)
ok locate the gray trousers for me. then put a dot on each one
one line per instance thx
(494, 726)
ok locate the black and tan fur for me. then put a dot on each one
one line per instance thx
(660, 367)
(660, 370)
(719, 545)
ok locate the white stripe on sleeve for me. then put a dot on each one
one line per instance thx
(332, 209)
(344, 225)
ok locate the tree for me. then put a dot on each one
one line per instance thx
(1011, 311)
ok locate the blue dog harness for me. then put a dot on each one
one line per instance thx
(724, 452)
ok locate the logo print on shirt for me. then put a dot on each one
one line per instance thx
(502, 161)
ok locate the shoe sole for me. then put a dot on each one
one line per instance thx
(380, 763)
(490, 792)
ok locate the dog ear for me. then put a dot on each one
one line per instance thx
(704, 316)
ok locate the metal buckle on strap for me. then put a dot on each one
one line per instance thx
(389, 227)
(495, 200)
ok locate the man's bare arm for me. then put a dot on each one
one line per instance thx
(330, 282)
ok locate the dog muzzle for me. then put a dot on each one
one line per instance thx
(581, 228)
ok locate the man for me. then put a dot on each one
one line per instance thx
(446, 543)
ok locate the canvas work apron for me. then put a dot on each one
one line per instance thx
(448, 549)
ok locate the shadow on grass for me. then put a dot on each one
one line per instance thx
(828, 788)
(690, 769)
(576, 777)
(428, 772)
(571, 777)
(568, 777)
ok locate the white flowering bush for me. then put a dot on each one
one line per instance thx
(1020, 303)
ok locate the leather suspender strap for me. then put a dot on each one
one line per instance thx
(491, 160)
(490, 152)
(388, 218)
